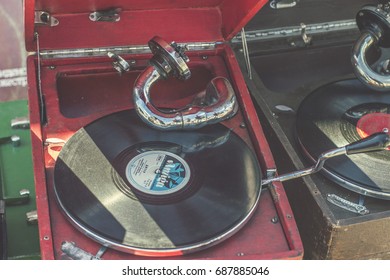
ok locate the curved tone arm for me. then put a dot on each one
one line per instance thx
(359, 62)
(374, 24)
(373, 143)
(217, 103)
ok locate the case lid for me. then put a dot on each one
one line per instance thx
(140, 20)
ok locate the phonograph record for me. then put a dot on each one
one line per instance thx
(145, 147)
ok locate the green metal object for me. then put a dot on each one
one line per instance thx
(17, 183)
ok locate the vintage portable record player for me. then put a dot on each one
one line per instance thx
(319, 81)
(120, 172)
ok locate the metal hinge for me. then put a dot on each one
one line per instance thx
(201, 46)
(68, 53)
(286, 32)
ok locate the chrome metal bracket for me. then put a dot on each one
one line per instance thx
(119, 63)
(32, 217)
(347, 205)
(109, 15)
(44, 18)
(20, 123)
(76, 253)
(271, 173)
(306, 38)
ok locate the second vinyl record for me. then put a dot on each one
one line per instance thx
(338, 114)
(157, 193)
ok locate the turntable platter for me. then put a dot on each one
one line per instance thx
(338, 114)
(156, 193)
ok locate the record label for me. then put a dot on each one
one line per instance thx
(158, 172)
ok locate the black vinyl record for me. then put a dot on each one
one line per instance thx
(156, 193)
(337, 114)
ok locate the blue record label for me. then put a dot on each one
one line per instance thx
(158, 172)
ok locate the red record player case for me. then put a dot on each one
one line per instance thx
(67, 92)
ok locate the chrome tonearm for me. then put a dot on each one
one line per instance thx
(373, 143)
(215, 104)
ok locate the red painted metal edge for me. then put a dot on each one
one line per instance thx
(264, 154)
(229, 10)
(190, 21)
(28, 10)
(45, 233)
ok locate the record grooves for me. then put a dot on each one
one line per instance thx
(149, 192)
(338, 114)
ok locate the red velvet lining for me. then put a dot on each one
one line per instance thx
(82, 94)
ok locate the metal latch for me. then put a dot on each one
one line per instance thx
(281, 4)
(20, 122)
(44, 18)
(304, 40)
(109, 15)
(32, 217)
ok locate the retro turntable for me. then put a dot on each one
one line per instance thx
(199, 186)
(135, 187)
(344, 111)
(321, 105)
(341, 113)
